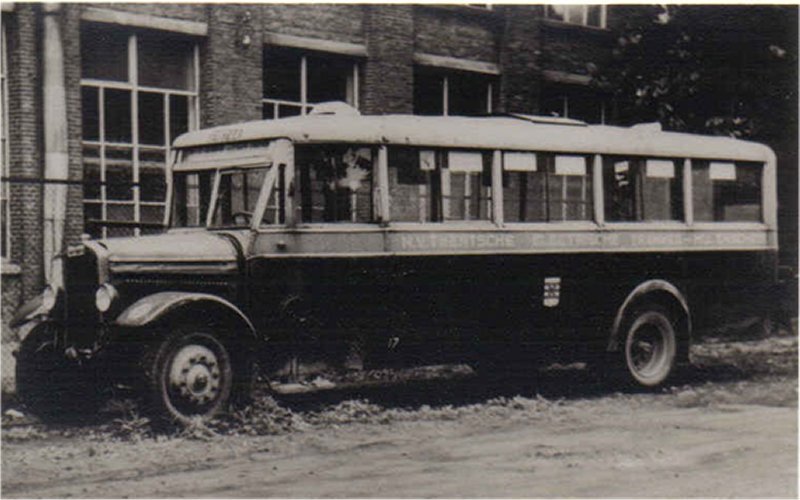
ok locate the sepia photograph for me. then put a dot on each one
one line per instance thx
(374, 250)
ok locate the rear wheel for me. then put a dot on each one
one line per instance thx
(189, 376)
(649, 346)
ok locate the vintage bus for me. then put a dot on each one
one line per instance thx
(499, 241)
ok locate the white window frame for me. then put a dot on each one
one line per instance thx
(306, 106)
(132, 85)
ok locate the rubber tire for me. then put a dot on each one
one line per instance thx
(657, 317)
(49, 385)
(156, 365)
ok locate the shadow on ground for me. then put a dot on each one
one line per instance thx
(713, 361)
(468, 388)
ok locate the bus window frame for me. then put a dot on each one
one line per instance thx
(493, 222)
(293, 193)
(598, 222)
(594, 222)
(768, 200)
(283, 155)
(668, 224)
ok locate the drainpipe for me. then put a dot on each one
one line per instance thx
(56, 158)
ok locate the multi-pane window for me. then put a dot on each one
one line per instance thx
(139, 92)
(726, 191)
(439, 92)
(643, 189)
(295, 80)
(585, 15)
(543, 187)
(5, 222)
(435, 185)
(336, 183)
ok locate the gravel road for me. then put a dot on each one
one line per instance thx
(729, 429)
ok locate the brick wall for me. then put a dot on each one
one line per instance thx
(231, 75)
(70, 33)
(457, 32)
(24, 88)
(343, 23)
(519, 59)
(571, 48)
(389, 69)
(22, 272)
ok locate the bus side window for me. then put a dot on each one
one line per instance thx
(467, 186)
(726, 191)
(662, 192)
(409, 184)
(569, 188)
(543, 187)
(638, 189)
(434, 186)
(336, 183)
(524, 187)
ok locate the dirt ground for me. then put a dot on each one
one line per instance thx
(726, 428)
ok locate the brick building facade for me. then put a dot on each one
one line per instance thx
(137, 75)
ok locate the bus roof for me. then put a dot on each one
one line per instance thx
(513, 132)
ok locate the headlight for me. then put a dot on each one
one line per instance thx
(104, 296)
(49, 297)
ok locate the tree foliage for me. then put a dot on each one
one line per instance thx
(728, 70)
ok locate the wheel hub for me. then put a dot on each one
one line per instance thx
(644, 350)
(195, 374)
(647, 350)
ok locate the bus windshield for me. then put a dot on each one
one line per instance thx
(231, 195)
(226, 181)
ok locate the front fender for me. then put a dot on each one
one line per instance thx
(154, 307)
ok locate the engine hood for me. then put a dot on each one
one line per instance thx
(172, 252)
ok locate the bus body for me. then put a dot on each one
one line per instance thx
(514, 238)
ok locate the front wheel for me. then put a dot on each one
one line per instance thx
(189, 376)
(649, 347)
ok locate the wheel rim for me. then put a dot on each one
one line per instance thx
(650, 348)
(195, 378)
